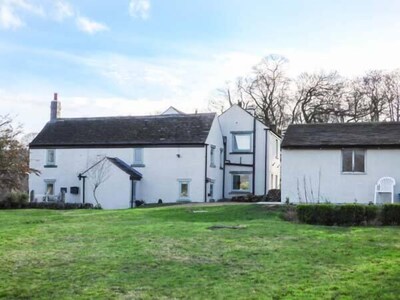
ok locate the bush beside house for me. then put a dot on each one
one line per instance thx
(273, 195)
(18, 200)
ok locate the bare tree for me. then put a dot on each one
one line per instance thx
(392, 84)
(317, 98)
(375, 93)
(267, 88)
(98, 174)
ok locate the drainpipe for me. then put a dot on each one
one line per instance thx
(205, 174)
(132, 187)
(223, 170)
(254, 155)
(81, 177)
(266, 161)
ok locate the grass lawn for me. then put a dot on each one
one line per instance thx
(169, 253)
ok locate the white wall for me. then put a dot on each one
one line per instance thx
(299, 166)
(215, 173)
(162, 170)
(236, 119)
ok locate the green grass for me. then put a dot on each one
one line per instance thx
(168, 253)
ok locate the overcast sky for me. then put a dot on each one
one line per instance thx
(137, 57)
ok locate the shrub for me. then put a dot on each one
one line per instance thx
(390, 214)
(21, 202)
(371, 214)
(273, 196)
(248, 198)
(349, 214)
(316, 214)
(14, 200)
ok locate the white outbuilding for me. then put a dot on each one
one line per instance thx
(340, 163)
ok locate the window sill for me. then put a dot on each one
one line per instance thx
(138, 165)
(241, 152)
(354, 173)
(50, 166)
(183, 200)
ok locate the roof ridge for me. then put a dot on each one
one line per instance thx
(138, 117)
(348, 123)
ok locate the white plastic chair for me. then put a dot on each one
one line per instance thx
(385, 185)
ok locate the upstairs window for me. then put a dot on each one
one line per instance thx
(212, 156)
(221, 158)
(276, 148)
(138, 156)
(241, 142)
(51, 157)
(353, 161)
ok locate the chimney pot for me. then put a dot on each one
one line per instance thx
(55, 109)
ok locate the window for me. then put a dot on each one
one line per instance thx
(51, 157)
(221, 158)
(241, 142)
(277, 148)
(211, 194)
(272, 181)
(241, 182)
(49, 186)
(184, 192)
(138, 156)
(353, 161)
(276, 182)
(212, 156)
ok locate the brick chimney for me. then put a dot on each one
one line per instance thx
(55, 109)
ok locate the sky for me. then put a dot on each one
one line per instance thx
(135, 57)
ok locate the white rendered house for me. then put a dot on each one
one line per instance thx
(163, 158)
(339, 163)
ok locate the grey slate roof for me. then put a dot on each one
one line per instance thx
(187, 129)
(342, 135)
(126, 168)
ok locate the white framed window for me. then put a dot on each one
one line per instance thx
(51, 157)
(272, 181)
(241, 182)
(242, 141)
(221, 158)
(211, 194)
(138, 156)
(184, 189)
(276, 182)
(49, 187)
(212, 156)
(353, 161)
(276, 148)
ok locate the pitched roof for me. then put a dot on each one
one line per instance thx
(126, 168)
(187, 129)
(342, 135)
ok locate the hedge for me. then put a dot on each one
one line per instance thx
(17, 200)
(390, 214)
(348, 214)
